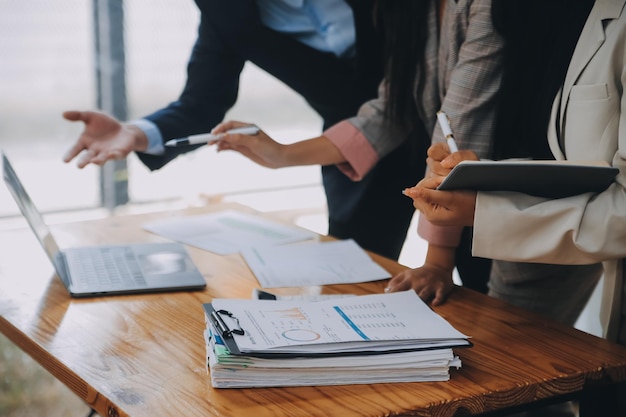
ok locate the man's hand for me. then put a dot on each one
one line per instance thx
(103, 138)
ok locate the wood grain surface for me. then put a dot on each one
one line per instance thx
(144, 355)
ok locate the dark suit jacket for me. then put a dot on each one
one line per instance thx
(232, 33)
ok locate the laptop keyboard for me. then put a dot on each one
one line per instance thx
(108, 267)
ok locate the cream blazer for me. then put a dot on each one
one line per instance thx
(587, 118)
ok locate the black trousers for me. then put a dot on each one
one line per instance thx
(376, 214)
(373, 211)
(474, 272)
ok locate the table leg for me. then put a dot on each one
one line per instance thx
(605, 401)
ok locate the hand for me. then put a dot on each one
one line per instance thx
(259, 148)
(103, 138)
(432, 283)
(440, 161)
(444, 208)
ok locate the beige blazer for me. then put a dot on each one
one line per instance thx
(586, 124)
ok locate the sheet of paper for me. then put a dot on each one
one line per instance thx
(383, 321)
(317, 263)
(227, 232)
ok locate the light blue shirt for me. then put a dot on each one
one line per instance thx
(326, 25)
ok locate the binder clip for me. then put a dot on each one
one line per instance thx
(222, 327)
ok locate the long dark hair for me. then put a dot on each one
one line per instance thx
(403, 26)
(540, 37)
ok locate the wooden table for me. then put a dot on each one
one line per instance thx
(144, 355)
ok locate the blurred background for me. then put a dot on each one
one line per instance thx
(48, 64)
(48, 54)
(49, 61)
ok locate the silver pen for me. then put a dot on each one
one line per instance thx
(442, 118)
(207, 137)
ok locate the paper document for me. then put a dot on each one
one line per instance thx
(367, 339)
(379, 322)
(227, 232)
(230, 371)
(318, 263)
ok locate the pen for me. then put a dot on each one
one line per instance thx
(442, 118)
(207, 137)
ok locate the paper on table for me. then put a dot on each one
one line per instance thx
(305, 264)
(230, 371)
(378, 322)
(227, 232)
(378, 338)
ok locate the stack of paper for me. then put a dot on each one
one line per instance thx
(368, 339)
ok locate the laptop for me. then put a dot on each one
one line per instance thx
(113, 269)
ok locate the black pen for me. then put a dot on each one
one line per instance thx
(207, 137)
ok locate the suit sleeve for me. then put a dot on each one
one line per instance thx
(472, 85)
(366, 138)
(583, 229)
(210, 90)
(470, 101)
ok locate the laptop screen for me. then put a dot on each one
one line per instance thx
(28, 209)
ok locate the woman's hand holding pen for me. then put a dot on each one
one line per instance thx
(450, 208)
(265, 151)
(259, 148)
(440, 160)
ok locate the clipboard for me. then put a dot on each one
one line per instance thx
(219, 321)
(550, 179)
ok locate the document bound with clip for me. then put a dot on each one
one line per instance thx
(551, 179)
(363, 339)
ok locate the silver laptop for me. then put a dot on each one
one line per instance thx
(107, 270)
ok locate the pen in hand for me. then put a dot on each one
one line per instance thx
(207, 137)
(444, 123)
(442, 118)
